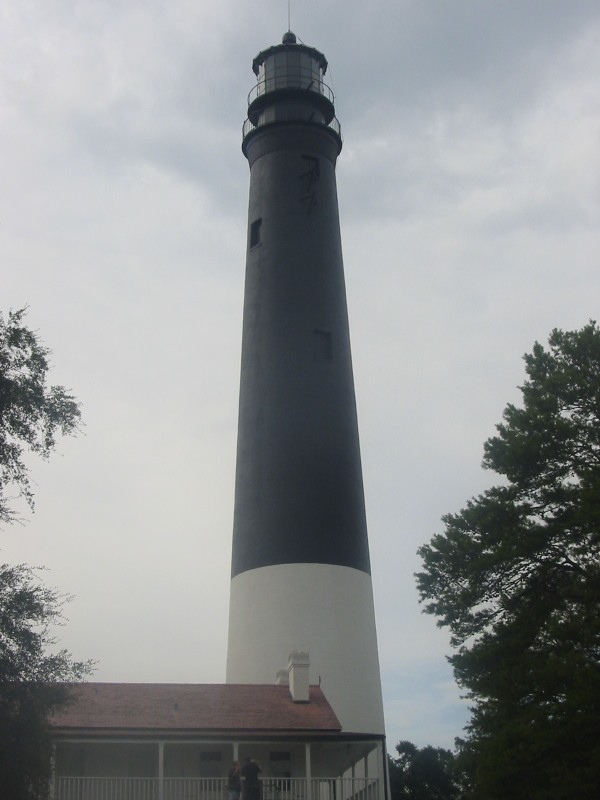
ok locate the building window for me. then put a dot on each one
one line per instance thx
(323, 346)
(280, 755)
(255, 232)
(210, 755)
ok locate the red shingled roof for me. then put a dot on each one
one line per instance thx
(193, 707)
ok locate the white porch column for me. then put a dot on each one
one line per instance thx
(236, 751)
(53, 772)
(382, 771)
(161, 770)
(308, 771)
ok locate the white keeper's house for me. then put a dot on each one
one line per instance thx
(128, 741)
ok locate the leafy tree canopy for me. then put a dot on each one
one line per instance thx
(32, 680)
(31, 412)
(426, 773)
(32, 677)
(516, 579)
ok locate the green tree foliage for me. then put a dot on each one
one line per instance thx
(31, 412)
(32, 678)
(516, 579)
(426, 773)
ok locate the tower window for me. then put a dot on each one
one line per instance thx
(255, 232)
(323, 346)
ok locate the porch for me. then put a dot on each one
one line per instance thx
(122, 788)
(179, 741)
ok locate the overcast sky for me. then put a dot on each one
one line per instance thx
(469, 198)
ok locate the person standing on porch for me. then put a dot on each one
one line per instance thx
(234, 782)
(251, 783)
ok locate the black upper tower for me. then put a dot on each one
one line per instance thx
(299, 492)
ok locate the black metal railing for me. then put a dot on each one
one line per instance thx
(249, 126)
(290, 78)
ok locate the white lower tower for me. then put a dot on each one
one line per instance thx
(300, 565)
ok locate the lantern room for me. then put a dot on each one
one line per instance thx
(290, 87)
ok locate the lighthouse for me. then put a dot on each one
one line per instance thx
(301, 575)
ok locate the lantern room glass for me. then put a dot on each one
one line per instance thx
(290, 69)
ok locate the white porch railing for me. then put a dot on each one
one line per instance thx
(192, 789)
(106, 789)
(212, 789)
(320, 789)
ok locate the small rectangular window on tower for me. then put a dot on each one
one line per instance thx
(255, 232)
(323, 346)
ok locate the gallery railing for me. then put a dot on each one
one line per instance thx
(212, 789)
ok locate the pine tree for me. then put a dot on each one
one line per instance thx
(516, 579)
